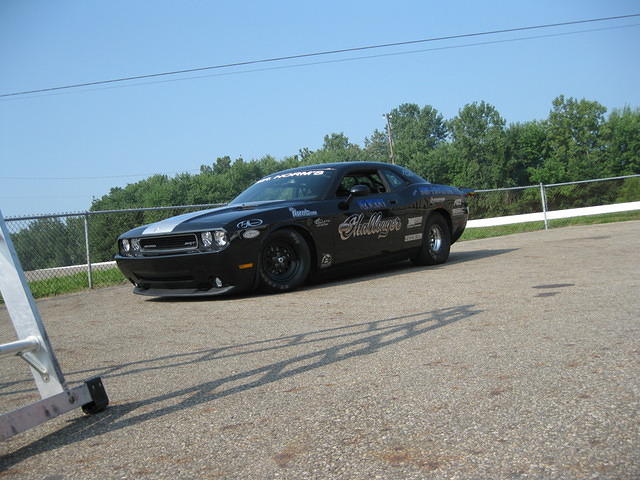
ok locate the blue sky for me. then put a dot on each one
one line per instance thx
(54, 146)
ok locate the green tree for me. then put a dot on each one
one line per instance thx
(526, 148)
(336, 148)
(575, 143)
(336, 142)
(417, 133)
(621, 137)
(479, 144)
(376, 147)
(222, 165)
(436, 165)
(50, 242)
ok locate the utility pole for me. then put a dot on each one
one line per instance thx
(390, 137)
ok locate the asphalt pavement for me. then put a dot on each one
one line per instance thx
(519, 358)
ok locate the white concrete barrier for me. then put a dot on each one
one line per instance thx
(553, 215)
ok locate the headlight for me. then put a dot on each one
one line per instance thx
(207, 239)
(220, 238)
(125, 246)
(215, 240)
(135, 245)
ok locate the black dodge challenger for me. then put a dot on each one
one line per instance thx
(291, 224)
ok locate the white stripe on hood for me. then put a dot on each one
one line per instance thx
(169, 224)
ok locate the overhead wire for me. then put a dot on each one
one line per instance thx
(100, 177)
(447, 47)
(339, 60)
(313, 54)
(381, 55)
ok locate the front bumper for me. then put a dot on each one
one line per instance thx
(184, 292)
(189, 274)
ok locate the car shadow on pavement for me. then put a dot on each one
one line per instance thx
(353, 273)
(323, 348)
(471, 255)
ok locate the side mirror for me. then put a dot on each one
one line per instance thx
(359, 191)
(356, 191)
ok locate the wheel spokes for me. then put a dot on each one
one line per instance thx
(435, 238)
(280, 260)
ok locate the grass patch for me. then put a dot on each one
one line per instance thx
(75, 282)
(486, 232)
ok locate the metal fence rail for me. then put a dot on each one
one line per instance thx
(542, 202)
(76, 249)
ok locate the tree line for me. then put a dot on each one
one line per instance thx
(475, 149)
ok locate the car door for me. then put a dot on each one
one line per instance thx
(368, 224)
(406, 208)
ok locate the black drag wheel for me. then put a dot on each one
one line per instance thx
(285, 261)
(436, 242)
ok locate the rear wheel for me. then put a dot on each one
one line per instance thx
(285, 261)
(436, 242)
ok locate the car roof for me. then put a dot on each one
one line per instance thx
(341, 166)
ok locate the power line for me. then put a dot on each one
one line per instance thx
(316, 54)
(31, 197)
(99, 177)
(338, 60)
(342, 60)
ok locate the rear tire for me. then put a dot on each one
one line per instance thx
(436, 242)
(285, 261)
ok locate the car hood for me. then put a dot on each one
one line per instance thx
(222, 217)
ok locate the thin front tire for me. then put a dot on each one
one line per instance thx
(436, 242)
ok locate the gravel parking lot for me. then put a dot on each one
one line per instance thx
(520, 358)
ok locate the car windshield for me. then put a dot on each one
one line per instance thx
(300, 185)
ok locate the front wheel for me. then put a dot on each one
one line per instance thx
(285, 261)
(436, 242)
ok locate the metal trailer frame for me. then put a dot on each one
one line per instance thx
(33, 346)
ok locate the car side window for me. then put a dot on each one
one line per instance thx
(394, 179)
(370, 179)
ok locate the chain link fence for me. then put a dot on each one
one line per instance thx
(73, 251)
(69, 252)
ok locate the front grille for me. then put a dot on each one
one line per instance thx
(162, 278)
(169, 244)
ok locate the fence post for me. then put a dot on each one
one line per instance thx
(86, 246)
(543, 198)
